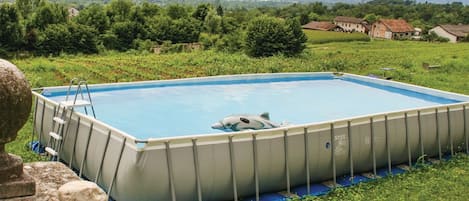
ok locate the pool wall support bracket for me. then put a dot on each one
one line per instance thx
(256, 165)
(82, 164)
(308, 178)
(465, 128)
(388, 145)
(350, 150)
(448, 113)
(170, 171)
(33, 132)
(287, 168)
(437, 128)
(233, 168)
(98, 172)
(334, 168)
(197, 169)
(116, 170)
(74, 143)
(407, 136)
(373, 145)
(419, 123)
(41, 131)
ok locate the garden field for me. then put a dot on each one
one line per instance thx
(447, 181)
(319, 37)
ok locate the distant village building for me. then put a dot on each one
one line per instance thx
(391, 29)
(351, 24)
(73, 12)
(322, 26)
(454, 33)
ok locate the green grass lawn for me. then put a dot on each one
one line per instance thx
(318, 37)
(448, 181)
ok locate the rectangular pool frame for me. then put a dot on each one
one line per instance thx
(229, 166)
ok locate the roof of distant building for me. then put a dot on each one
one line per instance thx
(324, 26)
(348, 19)
(397, 26)
(457, 30)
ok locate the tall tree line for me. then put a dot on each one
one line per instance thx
(44, 27)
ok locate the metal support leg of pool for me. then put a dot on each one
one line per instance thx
(407, 136)
(448, 113)
(334, 170)
(233, 168)
(373, 146)
(170, 171)
(197, 169)
(256, 165)
(437, 128)
(350, 149)
(419, 123)
(74, 143)
(388, 145)
(465, 128)
(98, 172)
(33, 132)
(116, 169)
(86, 149)
(287, 168)
(307, 160)
(41, 131)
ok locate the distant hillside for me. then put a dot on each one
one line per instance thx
(256, 3)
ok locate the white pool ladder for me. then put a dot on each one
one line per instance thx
(60, 120)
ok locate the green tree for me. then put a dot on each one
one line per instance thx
(267, 36)
(295, 38)
(212, 23)
(304, 18)
(94, 16)
(150, 10)
(184, 30)
(11, 33)
(25, 7)
(201, 12)
(82, 39)
(371, 18)
(54, 39)
(67, 38)
(220, 11)
(126, 32)
(49, 13)
(176, 11)
(119, 10)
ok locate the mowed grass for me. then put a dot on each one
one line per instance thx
(448, 181)
(319, 37)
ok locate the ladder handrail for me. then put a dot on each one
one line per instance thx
(70, 87)
(57, 133)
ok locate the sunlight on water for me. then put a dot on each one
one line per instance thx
(185, 110)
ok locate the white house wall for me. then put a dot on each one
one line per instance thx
(443, 33)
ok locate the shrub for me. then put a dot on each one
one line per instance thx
(232, 42)
(67, 38)
(267, 36)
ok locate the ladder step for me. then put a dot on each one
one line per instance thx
(77, 103)
(59, 120)
(51, 151)
(55, 136)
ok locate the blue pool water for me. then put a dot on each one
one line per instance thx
(162, 110)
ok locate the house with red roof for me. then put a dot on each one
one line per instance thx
(454, 33)
(391, 29)
(352, 24)
(322, 26)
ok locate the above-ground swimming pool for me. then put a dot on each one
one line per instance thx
(153, 140)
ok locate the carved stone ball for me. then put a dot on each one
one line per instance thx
(15, 101)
